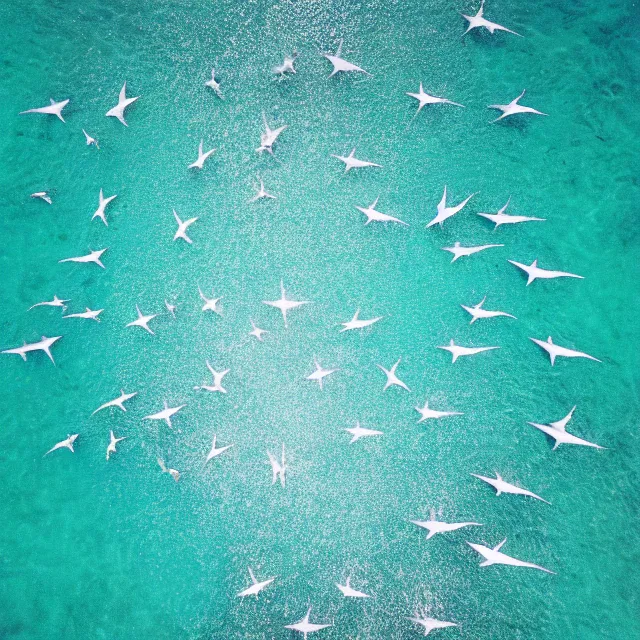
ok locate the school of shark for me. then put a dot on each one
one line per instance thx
(556, 428)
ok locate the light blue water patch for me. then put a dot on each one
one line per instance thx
(116, 549)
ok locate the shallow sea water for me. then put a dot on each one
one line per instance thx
(90, 549)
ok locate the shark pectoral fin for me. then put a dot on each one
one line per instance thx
(499, 545)
(431, 534)
(486, 563)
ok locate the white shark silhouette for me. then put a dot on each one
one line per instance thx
(54, 109)
(42, 345)
(558, 431)
(123, 103)
(495, 556)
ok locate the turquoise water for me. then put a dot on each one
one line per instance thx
(96, 549)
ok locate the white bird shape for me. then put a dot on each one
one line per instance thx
(424, 98)
(262, 193)
(268, 138)
(286, 66)
(171, 308)
(123, 103)
(351, 162)
(445, 212)
(431, 414)
(558, 431)
(555, 350)
(319, 374)
(360, 432)
(502, 218)
(216, 451)
(165, 414)
(210, 304)
(356, 323)
(118, 402)
(513, 107)
(479, 21)
(88, 314)
(534, 272)
(217, 380)
(43, 195)
(92, 256)
(256, 587)
(341, 65)
(377, 216)
(182, 228)
(478, 312)
(111, 448)
(174, 473)
(392, 378)
(456, 350)
(42, 345)
(257, 332)
(434, 526)
(349, 592)
(495, 556)
(100, 211)
(502, 486)
(459, 252)
(283, 304)
(54, 109)
(142, 321)
(430, 624)
(90, 140)
(278, 467)
(64, 444)
(214, 84)
(56, 302)
(202, 156)
(305, 627)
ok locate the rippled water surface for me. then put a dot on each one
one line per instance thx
(117, 550)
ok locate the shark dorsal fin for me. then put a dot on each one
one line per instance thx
(550, 340)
